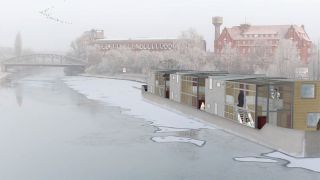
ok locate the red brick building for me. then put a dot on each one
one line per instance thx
(248, 39)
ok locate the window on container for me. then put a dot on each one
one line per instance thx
(210, 83)
(313, 120)
(308, 91)
(151, 89)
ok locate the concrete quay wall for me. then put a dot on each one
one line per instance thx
(290, 141)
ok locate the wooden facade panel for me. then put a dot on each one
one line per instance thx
(304, 106)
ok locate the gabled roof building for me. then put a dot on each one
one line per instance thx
(247, 39)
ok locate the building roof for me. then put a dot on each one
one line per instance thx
(203, 74)
(237, 77)
(264, 80)
(246, 31)
(138, 39)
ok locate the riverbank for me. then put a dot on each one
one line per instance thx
(110, 126)
(177, 123)
(294, 140)
(130, 77)
(291, 141)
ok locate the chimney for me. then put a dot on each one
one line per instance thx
(244, 27)
(217, 22)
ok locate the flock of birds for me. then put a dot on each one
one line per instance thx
(47, 13)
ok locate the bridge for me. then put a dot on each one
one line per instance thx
(43, 60)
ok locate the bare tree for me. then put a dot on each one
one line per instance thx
(285, 61)
(18, 45)
(189, 54)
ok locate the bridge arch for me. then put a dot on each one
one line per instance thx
(50, 60)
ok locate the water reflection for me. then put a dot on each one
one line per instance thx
(19, 94)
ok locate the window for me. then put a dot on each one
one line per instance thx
(177, 79)
(151, 89)
(307, 91)
(218, 84)
(313, 119)
(215, 108)
(210, 83)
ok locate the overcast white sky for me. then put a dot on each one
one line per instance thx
(143, 18)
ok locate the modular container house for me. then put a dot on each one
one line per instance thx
(159, 82)
(257, 100)
(189, 87)
(251, 100)
(254, 102)
(215, 92)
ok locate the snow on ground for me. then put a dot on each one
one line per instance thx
(312, 164)
(169, 139)
(255, 159)
(127, 95)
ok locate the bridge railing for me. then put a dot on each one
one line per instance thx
(45, 58)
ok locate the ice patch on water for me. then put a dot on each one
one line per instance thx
(169, 129)
(169, 139)
(255, 159)
(116, 93)
(312, 164)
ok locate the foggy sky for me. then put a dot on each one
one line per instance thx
(143, 18)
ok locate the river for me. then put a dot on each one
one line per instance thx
(52, 129)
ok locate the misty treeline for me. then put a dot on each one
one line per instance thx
(282, 64)
(16, 50)
(188, 55)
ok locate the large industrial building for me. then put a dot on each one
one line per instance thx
(97, 39)
(248, 39)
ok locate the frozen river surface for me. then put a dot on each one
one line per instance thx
(62, 128)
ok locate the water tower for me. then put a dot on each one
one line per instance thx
(217, 22)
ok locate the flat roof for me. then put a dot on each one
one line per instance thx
(203, 73)
(170, 71)
(264, 80)
(237, 76)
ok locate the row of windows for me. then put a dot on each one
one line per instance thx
(253, 42)
(259, 35)
(140, 46)
(253, 50)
